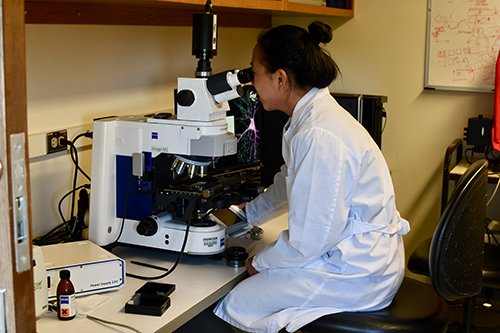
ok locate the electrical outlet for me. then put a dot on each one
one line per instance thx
(56, 141)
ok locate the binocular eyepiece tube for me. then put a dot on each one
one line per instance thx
(227, 85)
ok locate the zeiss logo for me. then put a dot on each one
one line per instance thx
(154, 135)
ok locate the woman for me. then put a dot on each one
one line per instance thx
(343, 250)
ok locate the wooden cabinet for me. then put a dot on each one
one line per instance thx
(235, 13)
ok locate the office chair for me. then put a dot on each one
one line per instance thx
(456, 259)
(419, 263)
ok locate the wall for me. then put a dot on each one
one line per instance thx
(77, 73)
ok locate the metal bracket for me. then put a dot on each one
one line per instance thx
(19, 201)
(3, 311)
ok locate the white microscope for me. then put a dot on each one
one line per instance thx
(151, 185)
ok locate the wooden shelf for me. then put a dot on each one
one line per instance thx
(133, 14)
(234, 13)
(302, 9)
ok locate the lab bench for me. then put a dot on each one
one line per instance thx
(199, 282)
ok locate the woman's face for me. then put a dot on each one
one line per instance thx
(264, 82)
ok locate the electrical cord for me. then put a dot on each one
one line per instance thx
(86, 186)
(74, 157)
(52, 237)
(493, 160)
(80, 313)
(489, 155)
(490, 234)
(41, 239)
(471, 157)
(55, 235)
(183, 247)
(494, 192)
(385, 122)
(168, 271)
(112, 323)
(124, 214)
(74, 150)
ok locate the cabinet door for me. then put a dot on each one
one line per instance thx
(16, 284)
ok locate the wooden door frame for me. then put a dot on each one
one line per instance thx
(19, 300)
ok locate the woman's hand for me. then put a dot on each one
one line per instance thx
(242, 206)
(251, 271)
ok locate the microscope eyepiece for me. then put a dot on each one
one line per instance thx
(226, 85)
(245, 75)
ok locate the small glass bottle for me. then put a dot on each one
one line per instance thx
(65, 297)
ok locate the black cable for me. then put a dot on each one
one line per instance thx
(124, 211)
(490, 233)
(54, 238)
(73, 152)
(50, 232)
(45, 238)
(74, 157)
(65, 196)
(55, 235)
(69, 234)
(111, 245)
(487, 229)
(73, 197)
(385, 122)
(493, 160)
(148, 265)
(184, 243)
(472, 155)
(73, 149)
(83, 207)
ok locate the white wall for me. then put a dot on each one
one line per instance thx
(76, 73)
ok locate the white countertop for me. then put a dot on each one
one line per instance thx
(199, 282)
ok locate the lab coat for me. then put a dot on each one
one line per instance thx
(343, 250)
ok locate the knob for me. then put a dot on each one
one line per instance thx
(147, 226)
(185, 98)
(171, 208)
(236, 256)
(163, 115)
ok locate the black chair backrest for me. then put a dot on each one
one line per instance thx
(456, 253)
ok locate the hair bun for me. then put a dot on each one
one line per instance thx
(320, 32)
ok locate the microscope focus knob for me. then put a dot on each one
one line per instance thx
(185, 98)
(171, 208)
(147, 227)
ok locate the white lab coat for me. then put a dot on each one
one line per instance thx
(343, 250)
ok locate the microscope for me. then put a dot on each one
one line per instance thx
(152, 179)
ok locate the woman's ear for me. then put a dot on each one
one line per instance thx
(282, 78)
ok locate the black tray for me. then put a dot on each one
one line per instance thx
(151, 299)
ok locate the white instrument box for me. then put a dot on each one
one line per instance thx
(92, 268)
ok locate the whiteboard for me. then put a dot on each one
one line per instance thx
(463, 40)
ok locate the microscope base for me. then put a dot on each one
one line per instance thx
(170, 236)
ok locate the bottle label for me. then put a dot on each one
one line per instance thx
(67, 306)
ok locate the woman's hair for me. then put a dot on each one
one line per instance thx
(298, 53)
